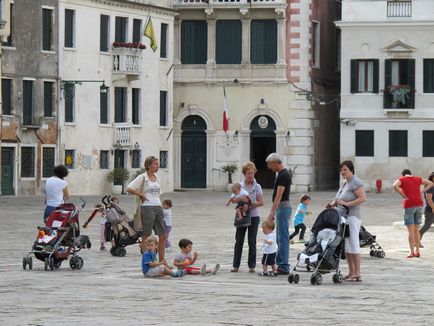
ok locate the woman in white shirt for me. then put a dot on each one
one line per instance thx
(147, 188)
(56, 190)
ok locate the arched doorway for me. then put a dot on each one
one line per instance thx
(193, 152)
(262, 143)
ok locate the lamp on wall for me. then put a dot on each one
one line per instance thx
(136, 146)
(288, 137)
(116, 146)
(235, 136)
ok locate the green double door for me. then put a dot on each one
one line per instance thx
(7, 171)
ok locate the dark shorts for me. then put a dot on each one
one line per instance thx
(240, 204)
(152, 219)
(269, 259)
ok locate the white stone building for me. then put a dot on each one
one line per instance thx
(387, 114)
(121, 112)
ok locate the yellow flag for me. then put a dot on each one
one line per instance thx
(149, 32)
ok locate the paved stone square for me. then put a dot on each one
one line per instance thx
(112, 291)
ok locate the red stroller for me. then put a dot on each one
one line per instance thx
(59, 238)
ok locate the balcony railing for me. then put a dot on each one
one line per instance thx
(122, 135)
(389, 102)
(399, 8)
(127, 61)
(188, 3)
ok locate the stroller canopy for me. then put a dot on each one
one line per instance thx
(328, 218)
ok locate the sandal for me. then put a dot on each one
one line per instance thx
(263, 274)
(417, 254)
(411, 255)
(354, 279)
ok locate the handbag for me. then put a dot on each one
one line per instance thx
(246, 221)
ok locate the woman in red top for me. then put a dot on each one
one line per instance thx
(408, 186)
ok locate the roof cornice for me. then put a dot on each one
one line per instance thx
(139, 6)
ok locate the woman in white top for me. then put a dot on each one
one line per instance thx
(147, 188)
(56, 190)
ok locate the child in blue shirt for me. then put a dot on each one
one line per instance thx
(151, 267)
(299, 215)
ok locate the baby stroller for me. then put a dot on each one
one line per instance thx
(367, 239)
(119, 228)
(323, 250)
(59, 238)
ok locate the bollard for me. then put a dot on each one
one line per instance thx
(379, 185)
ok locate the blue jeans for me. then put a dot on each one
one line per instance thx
(282, 216)
(47, 212)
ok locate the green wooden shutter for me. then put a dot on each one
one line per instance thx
(187, 42)
(163, 108)
(104, 32)
(257, 42)
(103, 106)
(163, 41)
(69, 28)
(228, 42)
(27, 102)
(6, 96)
(270, 42)
(69, 102)
(194, 42)
(47, 22)
(376, 76)
(137, 32)
(135, 105)
(202, 42)
(48, 99)
(411, 82)
(428, 75)
(119, 104)
(121, 29)
(354, 76)
(387, 82)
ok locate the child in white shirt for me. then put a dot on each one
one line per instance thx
(167, 211)
(241, 198)
(270, 249)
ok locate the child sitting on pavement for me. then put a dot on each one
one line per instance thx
(299, 215)
(151, 267)
(185, 260)
(241, 198)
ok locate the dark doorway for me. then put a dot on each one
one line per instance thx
(119, 161)
(262, 143)
(193, 152)
(7, 171)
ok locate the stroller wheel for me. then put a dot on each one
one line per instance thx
(24, 263)
(46, 264)
(30, 262)
(88, 244)
(291, 278)
(296, 278)
(372, 253)
(78, 262)
(381, 254)
(312, 279)
(338, 278)
(72, 263)
(121, 252)
(113, 251)
(316, 279)
(57, 263)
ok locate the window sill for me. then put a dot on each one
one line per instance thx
(48, 52)
(69, 49)
(105, 125)
(72, 124)
(365, 93)
(11, 48)
(164, 59)
(106, 53)
(136, 126)
(164, 128)
(27, 179)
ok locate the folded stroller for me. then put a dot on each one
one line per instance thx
(119, 228)
(59, 238)
(367, 239)
(323, 251)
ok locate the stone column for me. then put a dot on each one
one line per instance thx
(211, 36)
(177, 41)
(281, 40)
(245, 36)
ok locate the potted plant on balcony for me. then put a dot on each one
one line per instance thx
(229, 169)
(118, 176)
(129, 45)
(399, 94)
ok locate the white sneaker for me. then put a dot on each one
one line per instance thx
(203, 269)
(216, 269)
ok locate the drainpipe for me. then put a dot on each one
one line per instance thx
(58, 142)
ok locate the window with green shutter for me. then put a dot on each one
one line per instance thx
(137, 30)
(47, 29)
(104, 33)
(120, 104)
(48, 99)
(428, 75)
(228, 41)
(103, 105)
(428, 143)
(27, 102)
(364, 142)
(263, 42)
(398, 143)
(6, 96)
(135, 106)
(194, 40)
(48, 157)
(121, 25)
(69, 28)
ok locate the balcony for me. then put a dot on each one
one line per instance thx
(31, 122)
(122, 135)
(127, 60)
(405, 101)
(399, 9)
(227, 3)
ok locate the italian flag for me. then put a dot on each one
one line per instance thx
(225, 112)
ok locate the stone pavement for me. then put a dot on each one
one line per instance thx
(112, 291)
